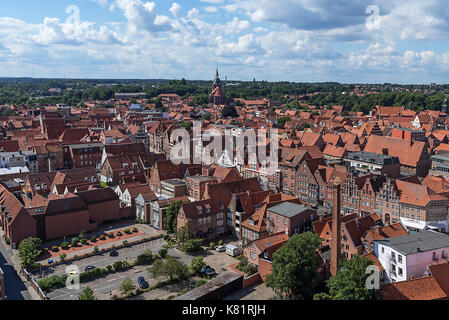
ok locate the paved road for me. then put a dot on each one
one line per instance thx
(15, 289)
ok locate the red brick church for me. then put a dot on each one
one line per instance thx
(217, 97)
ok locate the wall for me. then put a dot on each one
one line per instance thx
(66, 224)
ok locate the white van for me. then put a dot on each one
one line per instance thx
(232, 250)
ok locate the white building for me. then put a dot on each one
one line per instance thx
(408, 256)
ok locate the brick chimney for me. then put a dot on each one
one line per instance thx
(336, 230)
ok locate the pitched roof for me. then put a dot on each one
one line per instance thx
(408, 152)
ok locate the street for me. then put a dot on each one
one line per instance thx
(15, 289)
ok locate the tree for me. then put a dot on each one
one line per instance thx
(171, 268)
(283, 120)
(350, 281)
(126, 287)
(294, 269)
(29, 250)
(196, 265)
(183, 235)
(229, 111)
(87, 294)
(170, 218)
(206, 117)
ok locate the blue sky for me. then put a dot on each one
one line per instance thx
(346, 41)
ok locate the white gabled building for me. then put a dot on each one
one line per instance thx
(408, 256)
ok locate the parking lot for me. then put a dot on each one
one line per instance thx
(105, 287)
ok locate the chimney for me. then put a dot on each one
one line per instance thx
(336, 230)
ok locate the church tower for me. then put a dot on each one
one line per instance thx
(217, 96)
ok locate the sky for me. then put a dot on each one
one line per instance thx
(346, 41)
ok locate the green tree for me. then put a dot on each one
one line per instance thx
(170, 218)
(127, 287)
(283, 120)
(87, 294)
(350, 281)
(229, 111)
(29, 250)
(294, 269)
(171, 268)
(196, 265)
(183, 235)
(206, 117)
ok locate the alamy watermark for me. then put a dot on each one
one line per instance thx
(73, 277)
(213, 146)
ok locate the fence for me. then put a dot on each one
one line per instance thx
(35, 285)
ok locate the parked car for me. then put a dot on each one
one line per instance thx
(221, 249)
(143, 284)
(113, 253)
(207, 270)
(89, 268)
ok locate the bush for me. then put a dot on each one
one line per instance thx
(82, 236)
(125, 242)
(220, 243)
(55, 248)
(7, 241)
(93, 239)
(96, 249)
(196, 265)
(120, 265)
(245, 266)
(109, 268)
(144, 258)
(212, 246)
(166, 237)
(163, 253)
(65, 245)
(119, 234)
(102, 237)
(192, 245)
(127, 231)
(111, 235)
(83, 241)
(52, 283)
(75, 241)
(200, 283)
(135, 230)
(62, 257)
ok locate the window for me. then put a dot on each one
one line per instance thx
(400, 272)
(399, 258)
(383, 249)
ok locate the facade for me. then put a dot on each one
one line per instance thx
(364, 163)
(291, 218)
(173, 188)
(408, 256)
(440, 165)
(204, 219)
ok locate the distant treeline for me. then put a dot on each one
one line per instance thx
(32, 92)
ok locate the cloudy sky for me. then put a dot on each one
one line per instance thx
(376, 41)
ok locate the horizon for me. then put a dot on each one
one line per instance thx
(229, 80)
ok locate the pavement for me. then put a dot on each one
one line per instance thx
(16, 285)
(257, 291)
(104, 288)
(147, 232)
